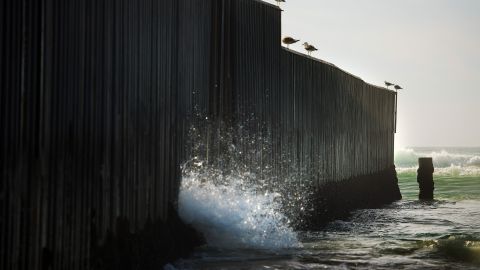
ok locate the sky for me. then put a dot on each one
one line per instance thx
(429, 47)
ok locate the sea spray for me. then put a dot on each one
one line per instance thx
(230, 194)
(233, 214)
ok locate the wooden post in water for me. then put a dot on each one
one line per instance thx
(425, 178)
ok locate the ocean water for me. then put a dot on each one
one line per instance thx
(246, 229)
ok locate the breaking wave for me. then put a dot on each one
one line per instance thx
(460, 247)
(232, 199)
(233, 214)
(447, 161)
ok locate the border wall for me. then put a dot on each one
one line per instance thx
(88, 145)
(96, 101)
(333, 120)
(329, 126)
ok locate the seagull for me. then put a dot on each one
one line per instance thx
(289, 40)
(279, 1)
(397, 87)
(309, 48)
(388, 84)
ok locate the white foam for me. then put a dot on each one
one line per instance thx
(452, 162)
(233, 214)
(448, 171)
(474, 161)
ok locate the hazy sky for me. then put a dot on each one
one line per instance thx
(430, 47)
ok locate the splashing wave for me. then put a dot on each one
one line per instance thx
(233, 214)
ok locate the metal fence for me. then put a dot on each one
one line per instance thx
(88, 91)
(310, 113)
(97, 98)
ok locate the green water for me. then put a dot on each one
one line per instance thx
(455, 188)
(408, 234)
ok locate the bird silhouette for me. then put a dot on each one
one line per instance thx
(289, 40)
(398, 87)
(388, 84)
(309, 48)
(279, 1)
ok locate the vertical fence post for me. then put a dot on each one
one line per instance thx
(425, 178)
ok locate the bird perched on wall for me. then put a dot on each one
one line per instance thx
(397, 87)
(289, 40)
(388, 84)
(309, 48)
(279, 1)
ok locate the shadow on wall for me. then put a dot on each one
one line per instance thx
(157, 244)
